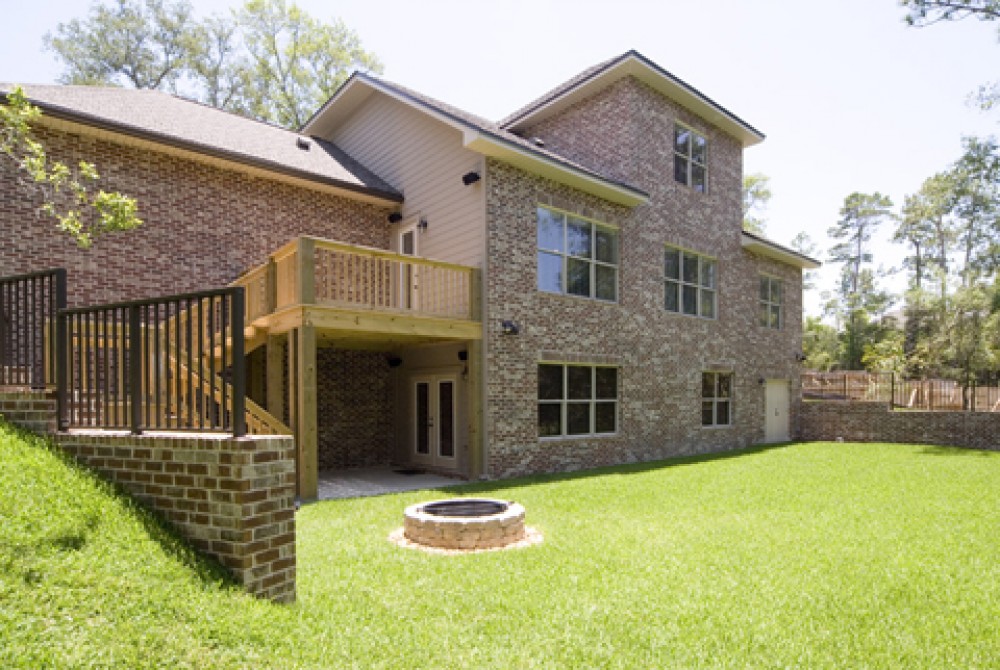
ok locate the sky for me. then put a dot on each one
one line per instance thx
(849, 97)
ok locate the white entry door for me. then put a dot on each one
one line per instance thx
(776, 411)
(434, 420)
(408, 279)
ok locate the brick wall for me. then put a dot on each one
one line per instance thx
(33, 411)
(661, 355)
(874, 422)
(233, 499)
(204, 225)
(354, 405)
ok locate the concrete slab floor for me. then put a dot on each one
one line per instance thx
(361, 482)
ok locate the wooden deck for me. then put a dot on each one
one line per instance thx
(314, 293)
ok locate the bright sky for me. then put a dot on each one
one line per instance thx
(849, 97)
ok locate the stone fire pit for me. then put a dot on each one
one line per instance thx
(465, 524)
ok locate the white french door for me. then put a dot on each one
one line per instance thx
(434, 419)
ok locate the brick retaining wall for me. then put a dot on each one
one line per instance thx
(874, 422)
(231, 498)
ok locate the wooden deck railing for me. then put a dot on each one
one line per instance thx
(314, 271)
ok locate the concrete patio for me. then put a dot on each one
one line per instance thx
(362, 482)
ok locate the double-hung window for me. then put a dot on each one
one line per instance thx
(716, 398)
(576, 256)
(689, 283)
(770, 302)
(577, 400)
(690, 158)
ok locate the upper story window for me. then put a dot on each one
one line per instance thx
(771, 299)
(576, 256)
(689, 283)
(690, 158)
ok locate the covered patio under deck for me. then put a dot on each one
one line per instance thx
(316, 295)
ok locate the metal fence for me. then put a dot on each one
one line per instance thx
(28, 307)
(170, 363)
(980, 394)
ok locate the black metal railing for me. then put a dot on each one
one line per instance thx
(978, 393)
(170, 363)
(28, 307)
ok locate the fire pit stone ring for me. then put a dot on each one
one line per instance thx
(464, 523)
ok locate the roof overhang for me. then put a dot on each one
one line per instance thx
(636, 65)
(769, 249)
(64, 118)
(360, 87)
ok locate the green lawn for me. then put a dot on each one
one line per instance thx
(811, 555)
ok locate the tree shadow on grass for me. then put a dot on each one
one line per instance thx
(171, 542)
(626, 469)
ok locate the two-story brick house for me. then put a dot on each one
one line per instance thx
(592, 298)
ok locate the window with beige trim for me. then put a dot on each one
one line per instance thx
(577, 400)
(689, 283)
(771, 301)
(716, 398)
(576, 256)
(690, 158)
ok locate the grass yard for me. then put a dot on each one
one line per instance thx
(809, 555)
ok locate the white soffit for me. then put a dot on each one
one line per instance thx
(769, 249)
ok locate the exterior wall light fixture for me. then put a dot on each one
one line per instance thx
(470, 178)
(509, 327)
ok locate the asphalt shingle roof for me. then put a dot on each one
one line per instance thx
(166, 118)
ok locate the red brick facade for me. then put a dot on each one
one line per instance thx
(627, 131)
(204, 224)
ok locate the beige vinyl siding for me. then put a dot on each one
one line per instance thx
(425, 160)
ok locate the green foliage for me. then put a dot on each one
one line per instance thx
(139, 43)
(922, 13)
(269, 60)
(764, 558)
(885, 354)
(68, 195)
(820, 344)
(756, 196)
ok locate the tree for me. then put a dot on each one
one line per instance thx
(756, 196)
(976, 207)
(269, 60)
(859, 297)
(922, 13)
(804, 244)
(67, 194)
(137, 43)
(820, 345)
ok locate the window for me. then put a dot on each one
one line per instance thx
(576, 256)
(716, 398)
(770, 302)
(577, 400)
(689, 283)
(690, 158)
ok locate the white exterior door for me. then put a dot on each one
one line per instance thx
(776, 411)
(408, 278)
(434, 420)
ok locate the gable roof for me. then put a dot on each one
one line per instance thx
(478, 134)
(171, 121)
(632, 63)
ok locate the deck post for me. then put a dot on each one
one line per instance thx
(307, 429)
(306, 261)
(275, 358)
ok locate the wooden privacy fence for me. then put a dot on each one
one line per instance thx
(980, 394)
(28, 307)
